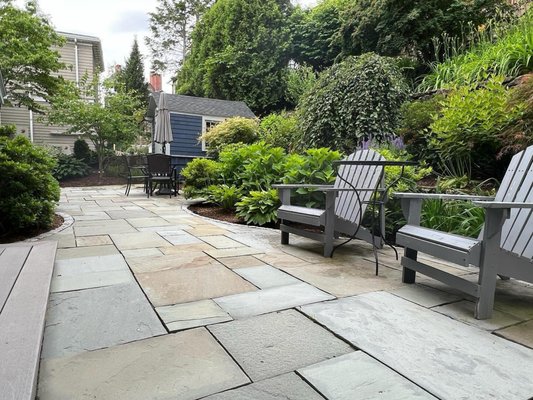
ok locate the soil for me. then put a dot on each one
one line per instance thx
(10, 238)
(93, 180)
(216, 212)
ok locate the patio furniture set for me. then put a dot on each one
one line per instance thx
(504, 247)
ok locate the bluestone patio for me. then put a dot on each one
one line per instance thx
(150, 301)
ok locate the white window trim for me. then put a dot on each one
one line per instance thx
(206, 118)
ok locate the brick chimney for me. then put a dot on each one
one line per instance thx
(155, 82)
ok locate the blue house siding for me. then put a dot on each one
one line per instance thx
(185, 132)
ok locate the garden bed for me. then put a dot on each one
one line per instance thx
(93, 180)
(11, 238)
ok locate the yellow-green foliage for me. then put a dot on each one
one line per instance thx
(232, 130)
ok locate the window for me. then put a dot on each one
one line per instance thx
(207, 124)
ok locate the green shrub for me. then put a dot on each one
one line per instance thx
(408, 183)
(519, 133)
(354, 100)
(82, 151)
(232, 130)
(8, 131)
(459, 217)
(28, 191)
(259, 207)
(69, 166)
(314, 167)
(252, 167)
(300, 81)
(465, 136)
(199, 174)
(503, 51)
(415, 120)
(281, 130)
(223, 196)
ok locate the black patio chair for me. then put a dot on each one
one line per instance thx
(137, 172)
(161, 172)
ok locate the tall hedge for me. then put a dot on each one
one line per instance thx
(28, 191)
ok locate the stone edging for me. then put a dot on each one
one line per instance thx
(67, 222)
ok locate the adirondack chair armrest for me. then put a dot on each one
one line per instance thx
(439, 196)
(302, 185)
(502, 204)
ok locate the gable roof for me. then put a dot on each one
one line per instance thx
(201, 106)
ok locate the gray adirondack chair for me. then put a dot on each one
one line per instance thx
(344, 208)
(504, 248)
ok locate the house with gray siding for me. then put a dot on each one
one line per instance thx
(191, 116)
(81, 55)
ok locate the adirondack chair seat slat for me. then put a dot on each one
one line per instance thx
(454, 248)
(344, 205)
(505, 246)
(303, 215)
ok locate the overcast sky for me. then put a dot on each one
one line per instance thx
(115, 22)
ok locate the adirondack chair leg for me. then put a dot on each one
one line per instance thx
(284, 237)
(489, 262)
(409, 275)
(329, 227)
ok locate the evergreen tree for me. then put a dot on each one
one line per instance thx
(132, 76)
(240, 50)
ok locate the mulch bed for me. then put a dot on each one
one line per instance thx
(10, 238)
(216, 212)
(93, 180)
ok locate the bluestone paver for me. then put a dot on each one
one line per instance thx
(449, 359)
(272, 344)
(520, 333)
(242, 262)
(138, 240)
(464, 311)
(147, 222)
(186, 366)
(346, 279)
(266, 276)
(161, 262)
(98, 240)
(189, 315)
(359, 376)
(424, 295)
(272, 299)
(89, 251)
(221, 242)
(287, 387)
(182, 285)
(96, 318)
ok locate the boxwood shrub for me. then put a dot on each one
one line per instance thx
(28, 191)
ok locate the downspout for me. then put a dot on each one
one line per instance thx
(76, 62)
(31, 126)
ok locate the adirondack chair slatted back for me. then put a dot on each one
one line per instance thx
(347, 205)
(517, 186)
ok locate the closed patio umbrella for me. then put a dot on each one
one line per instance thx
(162, 131)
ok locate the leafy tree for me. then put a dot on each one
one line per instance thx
(27, 59)
(170, 27)
(407, 27)
(114, 118)
(354, 100)
(315, 39)
(240, 50)
(132, 76)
